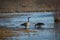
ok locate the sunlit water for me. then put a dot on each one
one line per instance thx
(36, 17)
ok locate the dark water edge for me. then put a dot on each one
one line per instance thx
(57, 30)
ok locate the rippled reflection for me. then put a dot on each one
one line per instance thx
(28, 34)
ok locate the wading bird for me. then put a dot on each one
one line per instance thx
(38, 25)
(26, 24)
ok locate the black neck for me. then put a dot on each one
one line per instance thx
(28, 19)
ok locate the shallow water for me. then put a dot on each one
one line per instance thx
(46, 33)
(36, 17)
(33, 34)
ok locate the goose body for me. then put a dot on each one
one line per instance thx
(38, 25)
(26, 24)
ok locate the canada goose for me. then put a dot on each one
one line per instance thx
(38, 25)
(26, 24)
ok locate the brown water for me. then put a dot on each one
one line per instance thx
(27, 34)
(30, 34)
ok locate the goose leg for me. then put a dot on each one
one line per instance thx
(35, 26)
(25, 27)
(39, 27)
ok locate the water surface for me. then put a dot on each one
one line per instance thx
(47, 31)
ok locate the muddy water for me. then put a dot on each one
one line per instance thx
(30, 34)
(17, 32)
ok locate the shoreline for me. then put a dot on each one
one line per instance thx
(57, 20)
